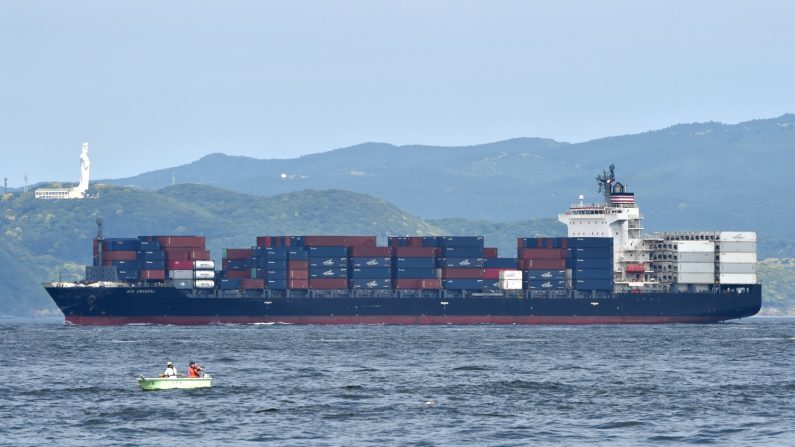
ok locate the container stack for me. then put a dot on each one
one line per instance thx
(695, 262)
(370, 267)
(328, 266)
(297, 268)
(270, 265)
(121, 253)
(414, 263)
(180, 253)
(737, 258)
(543, 262)
(591, 262)
(461, 262)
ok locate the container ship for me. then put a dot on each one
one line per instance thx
(606, 271)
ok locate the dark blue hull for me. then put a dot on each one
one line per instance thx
(166, 305)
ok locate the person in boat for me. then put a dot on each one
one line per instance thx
(194, 370)
(170, 371)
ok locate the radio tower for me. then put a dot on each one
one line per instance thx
(5, 185)
(26, 183)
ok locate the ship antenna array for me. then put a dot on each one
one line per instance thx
(99, 229)
(605, 182)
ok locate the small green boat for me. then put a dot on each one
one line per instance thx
(174, 383)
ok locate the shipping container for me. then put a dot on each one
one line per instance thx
(460, 241)
(204, 284)
(737, 278)
(737, 258)
(181, 283)
(695, 278)
(327, 251)
(359, 262)
(373, 283)
(195, 242)
(152, 255)
(544, 274)
(276, 274)
(152, 264)
(229, 284)
(461, 252)
(463, 284)
(593, 284)
(180, 264)
(415, 273)
(490, 252)
(252, 284)
(587, 274)
(120, 244)
(589, 263)
(204, 264)
(590, 242)
(511, 275)
(149, 245)
(327, 262)
(152, 275)
(327, 272)
(462, 273)
(238, 264)
(127, 275)
(237, 274)
(366, 273)
(510, 284)
(696, 257)
(542, 253)
(695, 246)
(737, 247)
(125, 264)
(415, 252)
(298, 284)
(460, 262)
(695, 267)
(417, 284)
(237, 253)
(272, 253)
(737, 236)
(180, 274)
(589, 252)
(542, 264)
(510, 263)
(325, 241)
(298, 254)
(544, 284)
(491, 273)
(298, 274)
(370, 251)
(298, 265)
(277, 284)
(414, 263)
(737, 267)
(328, 283)
(120, 255)
(203, 274)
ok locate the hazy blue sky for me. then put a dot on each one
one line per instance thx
(152, 84)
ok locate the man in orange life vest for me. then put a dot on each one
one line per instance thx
(194, 369)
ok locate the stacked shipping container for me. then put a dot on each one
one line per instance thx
(737, 257)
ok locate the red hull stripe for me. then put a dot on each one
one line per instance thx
(385, 319)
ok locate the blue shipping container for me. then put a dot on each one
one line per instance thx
(462, 252)
(229, 284)
(126, 264)
(360, 262)
(332, 252)
(590, 252)
(463, 284)
(460, 241)
(430, 241)
(500, 263)
(239, 264)
(152, 264)
(589, 263)
(120, 244)
(460, 262)
(297, 254)
(545, 284)
(275, 274)
(276, 283)
(151, 255)
(415, 263)
(593, 284)
(592, 274)
(331, 272)
(327, 262)
(149, 245)
(421, 273)
(582, 242)
(367, 273)
(384, 283)
(544, 274)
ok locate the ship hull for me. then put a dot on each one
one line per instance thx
(165, 305)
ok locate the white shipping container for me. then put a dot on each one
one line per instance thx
(511, 274)
(696, 278)
(511, 284)
(742, 258)
(737, 268)
(204, 284)
(204, 274)
(182, 284)
(695, 267)
(696, 257)
(180, 274)
(737, 247)
(204, 265)
(738, 236)
(695, 246)
(737, 278)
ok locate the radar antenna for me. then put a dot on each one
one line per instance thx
(99, 229)
(605, 182)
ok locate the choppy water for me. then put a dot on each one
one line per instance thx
(450, 385)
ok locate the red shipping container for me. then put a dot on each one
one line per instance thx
(199, 255)
(237, 274)
(298, 284)
(298, 265)
(177, 254)
(196, 242)
(120, 255)
(490, 252)
(492, 273)
(538, 264)
(264, 241)
(462, 273)
(298, 274)
(418, 284)
(238, 253)
(415, 252)
(324, 241)
(542, 253)
(152, 274)
(361, 241)
(251, 284)
(366, 250)
(181, 264)
(328, 283)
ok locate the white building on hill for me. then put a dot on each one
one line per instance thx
(78, 192)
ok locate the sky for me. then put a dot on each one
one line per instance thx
(154, 84)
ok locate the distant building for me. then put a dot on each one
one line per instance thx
(78, 192)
